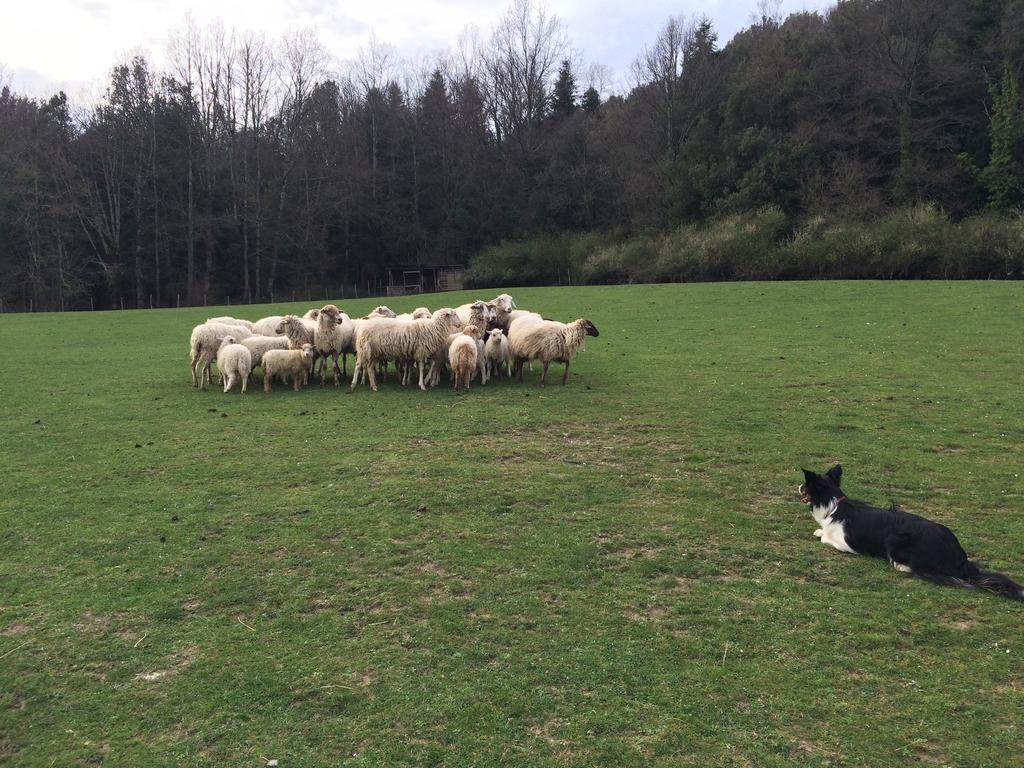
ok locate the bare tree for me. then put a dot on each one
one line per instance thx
(527, 46)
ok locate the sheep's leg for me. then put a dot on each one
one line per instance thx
(519, 369)
(544, 374)
(422, 364)
(245, 381)
(344, 365)
(195, 382)
(371, 375)
(565, 374)
(337, 370)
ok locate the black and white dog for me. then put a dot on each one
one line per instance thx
(910, 543)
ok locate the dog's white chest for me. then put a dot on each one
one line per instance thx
(831, 531)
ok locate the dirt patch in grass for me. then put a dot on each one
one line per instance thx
(17, 628)
(930, 755)
(177, 662)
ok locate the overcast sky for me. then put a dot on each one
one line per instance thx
(47, 45)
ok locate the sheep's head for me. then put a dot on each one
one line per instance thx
(312, 314)
(288, 321)
(332, 312)
(503, 302)
(420, 313)
(589, 326)
(228, 340)
(494, 335)
(381, 311)
(307, 351)
(450, 316)
(472, 331)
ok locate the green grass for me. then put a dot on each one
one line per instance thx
(616, 572)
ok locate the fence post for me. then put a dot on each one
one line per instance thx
(151, 301)
(122, 303)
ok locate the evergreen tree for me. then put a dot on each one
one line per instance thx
(1002, 176)
(591, 101)
(563, 100)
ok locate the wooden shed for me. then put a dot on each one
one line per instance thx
(404, 280)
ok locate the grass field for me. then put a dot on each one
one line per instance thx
(617, 572)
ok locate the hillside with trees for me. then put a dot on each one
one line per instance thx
(884, 138)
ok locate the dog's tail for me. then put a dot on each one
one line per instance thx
(976, 577)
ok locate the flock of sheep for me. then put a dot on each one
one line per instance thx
(481, 338)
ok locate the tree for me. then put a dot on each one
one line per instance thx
(1002, 177)
(591, 101)
(563, 96)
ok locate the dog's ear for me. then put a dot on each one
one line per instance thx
(810, 478)
(835, 473)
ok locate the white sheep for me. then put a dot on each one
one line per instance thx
(385, 339)
(299, 330)
(380, 311)
(420, 313)
(267, 326)
(462, 356)
(478, 313)
(203, 345)
(548, 341)
(331, 337)
(496, 353)
(234, 361)
(287, 363)
(260, 345)
(227, 320)
(503, 306)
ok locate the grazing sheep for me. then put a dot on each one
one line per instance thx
(234, 361)
(285, 363)
(380, 311)
(332, 336)
(548, 341)
(267, 326)
(387, 339)
(420, 313)
(462, 356)
(203, 345)
(496, 352)
(226, 320)
(260, 345)
(311, 314)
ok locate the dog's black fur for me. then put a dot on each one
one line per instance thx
(929, 550)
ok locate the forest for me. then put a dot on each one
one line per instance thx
(882, 138)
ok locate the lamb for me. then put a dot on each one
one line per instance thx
(386, 339)
(496, 352)
(203, 345)
(285, 363)
(332, 336)
(234, 361)
(260, 345)
(462, 356)
(267, 326)
(548, 341)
